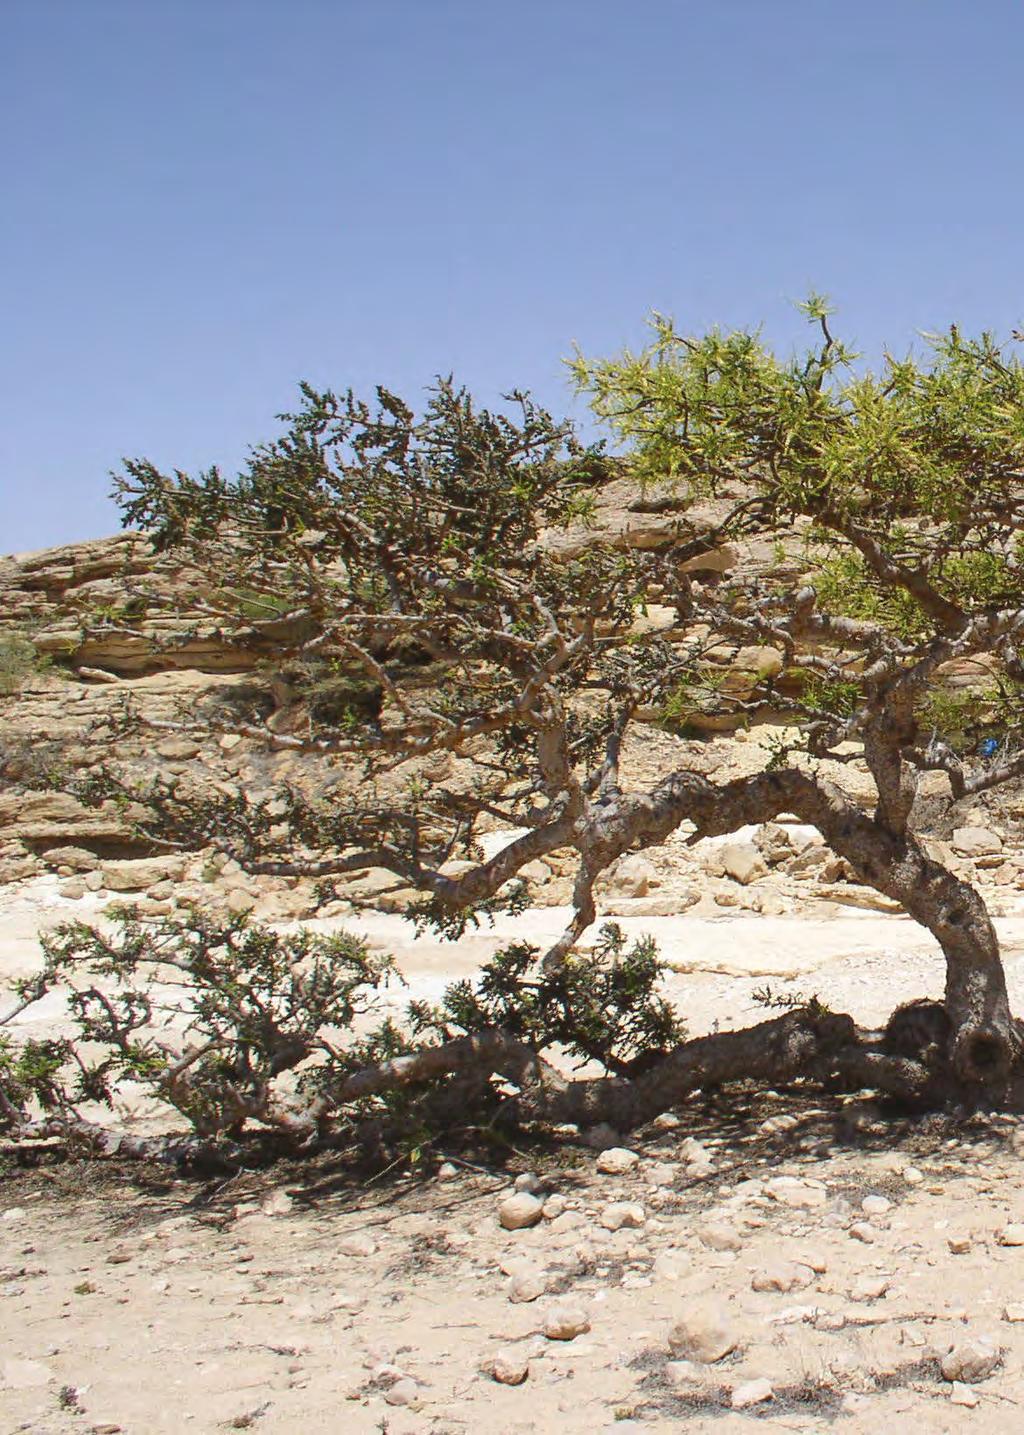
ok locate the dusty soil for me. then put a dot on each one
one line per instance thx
(296, 1299)
(138, 1303)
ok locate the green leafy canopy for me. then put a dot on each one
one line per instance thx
(925, 455)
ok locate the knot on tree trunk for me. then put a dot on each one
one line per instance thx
(984, 1055)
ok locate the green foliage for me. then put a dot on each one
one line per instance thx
(394, 574)
(698, 692)
(397, 563)
(961, 717)
(467, 484)
(510, 900)
(925, 456)
(336, 694)
(232, 1024)
(845, 585)
(829, 695)
(30, 1073)
(773, 1000)
(956, 717)
(602, 1005)
(905, 483)
(117, 614)
(255, 604)
(207, 1014)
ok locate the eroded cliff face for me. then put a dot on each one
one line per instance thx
(93, 624)
(98, 618)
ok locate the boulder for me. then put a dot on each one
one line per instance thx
(774, 843)
(785, 1276)
(633, 876)
(742, 862)
(616, 1161)
(976, 841)
(140, 874)
(968, 1360)
(79, 859)
(762, 663)
(565, 1320)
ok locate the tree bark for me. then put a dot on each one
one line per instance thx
(818, 1044)
(985, 1040)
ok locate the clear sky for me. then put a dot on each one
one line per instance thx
(205, 200)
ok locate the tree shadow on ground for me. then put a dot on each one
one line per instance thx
(714, 1139)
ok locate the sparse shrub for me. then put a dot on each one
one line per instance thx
(235, 1026)
(18, 661)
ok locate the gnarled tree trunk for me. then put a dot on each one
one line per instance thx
(984, 1038)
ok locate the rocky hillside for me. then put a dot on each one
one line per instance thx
(86, 629)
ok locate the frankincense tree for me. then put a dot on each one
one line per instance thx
(403, 563)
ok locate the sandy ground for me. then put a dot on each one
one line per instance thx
(841, 1254)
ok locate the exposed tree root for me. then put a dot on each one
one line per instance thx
(909, 1061)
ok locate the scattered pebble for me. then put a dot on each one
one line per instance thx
(616, 1161)
(785, 1277)
(719, 1237)
(869, 1288)
(670, 1266)
(816, 1260)
(968, 1360)
(359, 1243)
(751, 1392)
(509, 1366)
(404, 1392)
(696, 1155)
(623, 1213)
(701, 1332)
(795, 1193)
(683, 1372)
(875, 1205)
(518, 1212)
(527, 1285)
(565, 1320)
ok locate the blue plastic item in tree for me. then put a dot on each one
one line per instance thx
(989, 747)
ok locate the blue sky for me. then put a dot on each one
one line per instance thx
(206, 200)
